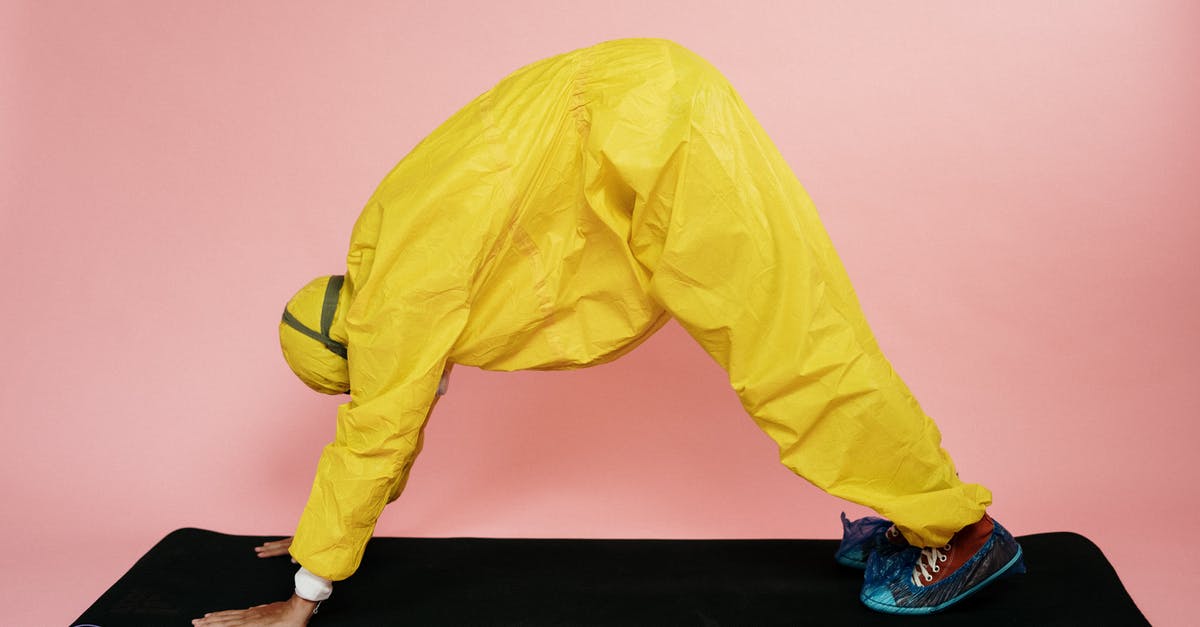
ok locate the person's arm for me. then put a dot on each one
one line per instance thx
(374, 448)
(397, 446)
(415, 254)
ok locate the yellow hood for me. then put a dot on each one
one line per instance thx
(319, 360)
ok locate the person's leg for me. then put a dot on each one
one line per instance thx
(739, 256)
(735, 251)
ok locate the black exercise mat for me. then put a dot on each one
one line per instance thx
(471, 581)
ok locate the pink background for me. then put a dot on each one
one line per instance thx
(1012, 186)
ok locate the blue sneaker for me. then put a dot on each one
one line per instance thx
(862, 537)
(924, 581)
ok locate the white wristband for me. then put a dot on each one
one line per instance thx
(311, 587)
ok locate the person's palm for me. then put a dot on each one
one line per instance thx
(281, 614)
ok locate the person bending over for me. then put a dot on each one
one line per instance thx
(557, 221)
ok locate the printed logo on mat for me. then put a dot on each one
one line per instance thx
(140, 601)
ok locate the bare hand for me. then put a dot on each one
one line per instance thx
(274, 547)
(294, 612)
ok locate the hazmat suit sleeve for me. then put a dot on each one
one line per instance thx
(415, 253)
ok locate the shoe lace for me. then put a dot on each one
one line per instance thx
(928, 564)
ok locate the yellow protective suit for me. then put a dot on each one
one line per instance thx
(557, 221)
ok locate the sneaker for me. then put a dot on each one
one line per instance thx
(862, 537)
(924, 581)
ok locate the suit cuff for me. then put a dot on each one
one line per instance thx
(312, 587)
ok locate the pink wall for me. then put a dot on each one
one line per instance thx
(1012, 186)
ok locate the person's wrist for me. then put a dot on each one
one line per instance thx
(301, 603)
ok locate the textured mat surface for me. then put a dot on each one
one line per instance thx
(469, 581)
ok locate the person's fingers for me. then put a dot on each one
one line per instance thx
(266, 613)
(225, 618)
(219, 618)
(273, 548)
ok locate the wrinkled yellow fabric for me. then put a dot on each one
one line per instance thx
(555, 222)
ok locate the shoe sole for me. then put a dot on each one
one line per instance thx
(893, 609)
(849, 563)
